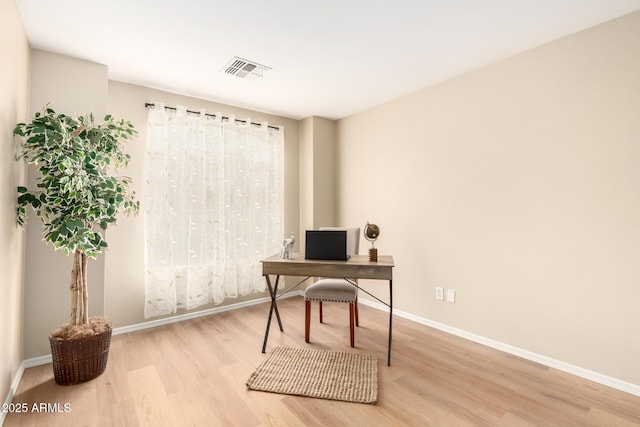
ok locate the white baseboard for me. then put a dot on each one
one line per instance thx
(12, 391)
(516, 351)
(525, 354)
(187, 316)
(37, 361)
(43, 360)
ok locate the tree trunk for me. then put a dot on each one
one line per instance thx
(74, 288)
(85, 291)
(79, 290)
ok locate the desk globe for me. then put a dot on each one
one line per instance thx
(371, 233)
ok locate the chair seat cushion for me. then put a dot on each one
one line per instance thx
(335, 290)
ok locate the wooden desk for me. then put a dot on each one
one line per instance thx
(357, 267)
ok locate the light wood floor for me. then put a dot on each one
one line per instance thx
(193, 373)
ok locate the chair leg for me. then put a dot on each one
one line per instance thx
(320, 311)
(351, 321)
(307, 319)
(356, 307)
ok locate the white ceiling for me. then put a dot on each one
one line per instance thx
(329, 58)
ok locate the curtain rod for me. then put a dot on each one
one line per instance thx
(151, 104)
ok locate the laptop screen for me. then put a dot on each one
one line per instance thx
(326, 245)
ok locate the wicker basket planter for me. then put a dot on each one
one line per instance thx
(81, 359)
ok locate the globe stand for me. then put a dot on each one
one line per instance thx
(371, 233)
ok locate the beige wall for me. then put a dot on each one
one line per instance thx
(71, 86)
(116, 278)
(14, 91)
(306, 178)
(317, 175)
(124, 279)
(517, 185)
(324, 172)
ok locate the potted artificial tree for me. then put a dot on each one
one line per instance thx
(77, 196)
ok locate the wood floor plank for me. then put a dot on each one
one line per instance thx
(193, 373)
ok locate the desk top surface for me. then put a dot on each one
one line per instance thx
(383, 260)
(357, 266)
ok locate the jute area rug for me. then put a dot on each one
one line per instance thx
(335, 375)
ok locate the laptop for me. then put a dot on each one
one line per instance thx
(326, 245)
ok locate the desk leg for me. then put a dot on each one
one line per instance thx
(390, 319)
(274, 304)
(273, 291)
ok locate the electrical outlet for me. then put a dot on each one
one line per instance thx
(439, 293)
(451, 296)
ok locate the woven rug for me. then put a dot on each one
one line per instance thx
(335, 375)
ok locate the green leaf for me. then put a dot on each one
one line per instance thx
(74, 190)
(25, 198)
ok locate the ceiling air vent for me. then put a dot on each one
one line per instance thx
(245, 69)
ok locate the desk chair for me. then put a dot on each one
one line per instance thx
(335, 290)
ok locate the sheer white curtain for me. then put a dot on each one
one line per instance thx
(214, 203)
